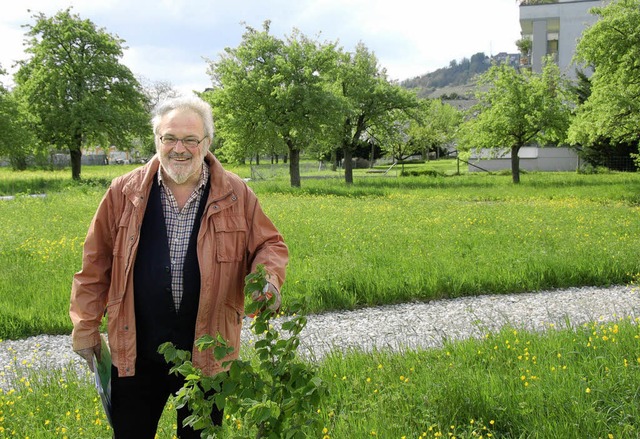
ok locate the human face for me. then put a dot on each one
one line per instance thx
(180, 164)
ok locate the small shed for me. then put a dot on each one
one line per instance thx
(532, 158)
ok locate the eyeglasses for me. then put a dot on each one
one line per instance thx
(188, 142)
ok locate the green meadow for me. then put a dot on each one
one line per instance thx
(385, 239)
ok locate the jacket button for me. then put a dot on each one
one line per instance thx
(167, 269)
(126, 327)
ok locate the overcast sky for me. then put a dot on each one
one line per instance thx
(168, 40)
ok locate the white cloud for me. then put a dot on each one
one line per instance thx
(408, 37)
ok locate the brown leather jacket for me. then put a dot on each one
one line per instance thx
(235, 236)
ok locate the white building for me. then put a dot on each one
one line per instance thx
(554, 29)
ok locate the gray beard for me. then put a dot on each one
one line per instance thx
(176, 177)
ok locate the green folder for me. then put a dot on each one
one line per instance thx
(102, 375)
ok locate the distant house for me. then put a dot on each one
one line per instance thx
(531, 159)
(554, 29)
(513, 59)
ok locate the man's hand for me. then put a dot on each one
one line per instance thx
(88, 353)
(267, 293)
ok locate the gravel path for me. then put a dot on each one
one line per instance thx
(410, 325)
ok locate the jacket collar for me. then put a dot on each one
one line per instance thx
(140, 182)
(220, 183)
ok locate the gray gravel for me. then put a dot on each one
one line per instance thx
(397, 327)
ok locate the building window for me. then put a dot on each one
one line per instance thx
(552, 45)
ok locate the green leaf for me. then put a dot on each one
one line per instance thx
(264, 411)
(206, 341)
(221, 352)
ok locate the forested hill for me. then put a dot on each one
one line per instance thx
(457, 80)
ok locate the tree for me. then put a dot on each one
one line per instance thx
(76, 88)
(518, 109)
(435, 127)
(612, 47)
(271, 95)
(432, 126)
(17, 139)
(393, 136)
(369, 98)
(601, 150)
(154, 92)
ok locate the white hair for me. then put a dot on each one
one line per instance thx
(192, 103)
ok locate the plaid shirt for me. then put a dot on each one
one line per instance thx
(179, 226)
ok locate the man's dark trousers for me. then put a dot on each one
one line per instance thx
(138, 403)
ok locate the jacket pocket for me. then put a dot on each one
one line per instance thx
(113, 311)
(113, 308)
(232, 328)
(122, 241)
(230, 233)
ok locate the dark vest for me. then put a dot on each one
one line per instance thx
(156, 318)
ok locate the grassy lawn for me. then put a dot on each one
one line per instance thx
(385, 239)
(579, 382)
(379, 241)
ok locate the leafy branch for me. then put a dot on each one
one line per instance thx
(271, 397)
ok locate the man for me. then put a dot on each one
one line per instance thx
(165, 257)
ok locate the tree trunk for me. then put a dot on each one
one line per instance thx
(348, 165)
(515, 164)
(76, 163)
(18, 162)
(372, 157)
(75, 152)
(257, 159)
(294, 166)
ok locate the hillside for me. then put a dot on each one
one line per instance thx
(457, 81)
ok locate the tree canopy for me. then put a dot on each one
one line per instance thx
(270, 95)
(17, 139)
(435, 127)
(612, 47)
(519, 108)
(76, 88)
(370, 102)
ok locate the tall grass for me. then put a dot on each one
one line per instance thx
(575, 382)
(380, 241)
(405, 246)
(40, 181)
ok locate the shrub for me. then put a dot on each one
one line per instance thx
(272, 398)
